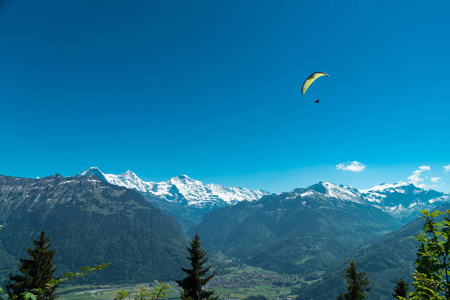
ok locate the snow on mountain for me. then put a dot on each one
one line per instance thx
(341, 192)
(378, 193)
(332, 191)
(181, 189)
(386, 187)
(127, 179)
(403, 198)
(386, 197)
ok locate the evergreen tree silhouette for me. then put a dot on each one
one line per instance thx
(358, 284)
(401, 289)
(36, 271)
(192, 285)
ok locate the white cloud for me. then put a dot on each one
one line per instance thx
(415, 177)
(435, 179)
(353, 166)
(447, 169)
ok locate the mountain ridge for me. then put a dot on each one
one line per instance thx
(195, 192)
(294, 232)
(401, 200)
(189, 199)
(90, 222)
(184, 198)
(290, 232)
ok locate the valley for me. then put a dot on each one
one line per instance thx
(233, 280)
(290, 245)
(291, 150)
(238, 284)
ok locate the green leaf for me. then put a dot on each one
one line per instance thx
(29, 295)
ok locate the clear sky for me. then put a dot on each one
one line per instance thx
(211, 89)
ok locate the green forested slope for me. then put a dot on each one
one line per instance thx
(385, 260)
(293, 233)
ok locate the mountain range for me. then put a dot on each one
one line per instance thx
(188, 199)
(311, 232)
(403, 200)
(184, 198)
(297, 232)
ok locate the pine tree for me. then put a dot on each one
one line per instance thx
(36, 271)
(401, 289)
(358, 284)
(193, 283)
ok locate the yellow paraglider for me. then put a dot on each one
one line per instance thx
(311, 79)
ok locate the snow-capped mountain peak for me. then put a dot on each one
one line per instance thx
(89, 171)
(93, 171)
(403, 198)
(129, 174)
(331, 190)
(181, 189)
(400, 199)
(386, 187)
(183, 179)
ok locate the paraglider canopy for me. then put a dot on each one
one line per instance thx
(311, 79)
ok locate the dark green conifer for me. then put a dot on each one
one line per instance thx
(36, 271)
(401, 289)
(358, 284)
(192, 285)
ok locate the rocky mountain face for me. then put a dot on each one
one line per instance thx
(185, 198)
(91, 222)
(296, 232)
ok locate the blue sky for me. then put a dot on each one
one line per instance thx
(211, 89)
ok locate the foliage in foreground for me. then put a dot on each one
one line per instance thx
(431, 277)
(192, 285)
(159, 292)
(36, 271)
(40, 266)
(54, 283)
